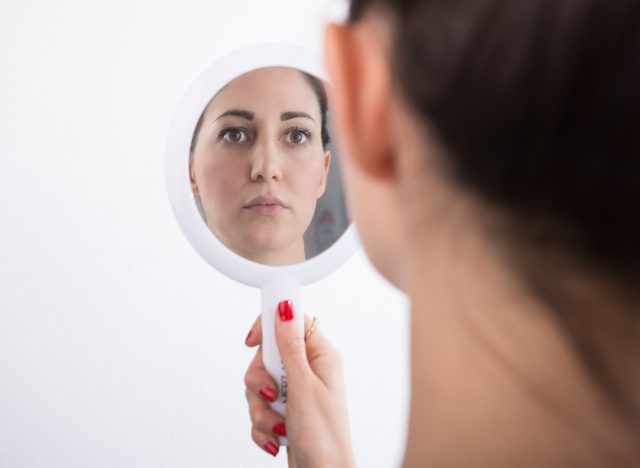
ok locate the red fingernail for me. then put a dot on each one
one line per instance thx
(280, 429)
(248, 336)
(268, 394)
(285, 309)
(271, 448)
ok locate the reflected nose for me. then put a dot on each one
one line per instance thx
(266, 163)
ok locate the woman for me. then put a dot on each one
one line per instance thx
(501, 141)
(259, 162)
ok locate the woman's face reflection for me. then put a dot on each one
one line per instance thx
(258, 164)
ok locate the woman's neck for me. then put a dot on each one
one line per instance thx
(495, 381)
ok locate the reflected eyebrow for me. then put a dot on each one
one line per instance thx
(237, 113)
(292, 115)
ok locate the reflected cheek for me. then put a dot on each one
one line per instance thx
(305, 185)
(219, 186)
(307, 174)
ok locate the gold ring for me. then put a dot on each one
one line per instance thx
(314, 322)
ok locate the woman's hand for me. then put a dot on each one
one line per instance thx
(316, 423)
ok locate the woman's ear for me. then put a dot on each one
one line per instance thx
(192, 178)
(325, 174)
(358, 65)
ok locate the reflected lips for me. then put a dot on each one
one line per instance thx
(265, 205)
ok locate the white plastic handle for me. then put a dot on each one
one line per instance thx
(283, 287)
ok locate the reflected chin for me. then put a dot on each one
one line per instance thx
(269, 246)
(263, 235)
(265, 240)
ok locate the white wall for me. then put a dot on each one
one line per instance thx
(119, 346)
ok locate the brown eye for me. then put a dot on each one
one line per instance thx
(298, 137)
(234, 135)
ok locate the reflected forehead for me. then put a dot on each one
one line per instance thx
(268, 91)
(249, 115)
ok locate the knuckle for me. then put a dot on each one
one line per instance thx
(259, 419)
(338, 360)
(293, 343)
(255, 436)
(334, 357)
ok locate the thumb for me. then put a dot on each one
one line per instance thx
(290, 340)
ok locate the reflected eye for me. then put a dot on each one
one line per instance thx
(298, 136)
(233, 135)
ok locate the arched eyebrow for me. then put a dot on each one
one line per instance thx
(292, 115)
(237, 113)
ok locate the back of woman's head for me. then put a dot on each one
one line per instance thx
(537, 104)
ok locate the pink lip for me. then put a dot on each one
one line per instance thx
(266, 205)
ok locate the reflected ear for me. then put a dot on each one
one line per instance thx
(358, 66)
(325, 174)
(192, 178)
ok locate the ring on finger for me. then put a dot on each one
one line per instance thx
(314, 322)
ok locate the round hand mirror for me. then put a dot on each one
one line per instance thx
(254, 179)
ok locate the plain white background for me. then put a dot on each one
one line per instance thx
(119, 346)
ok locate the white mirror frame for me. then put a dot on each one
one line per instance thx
(184, 207)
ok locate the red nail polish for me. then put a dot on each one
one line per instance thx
(248, 336)
(280, 429)
(268, 394)
(271, 448)
(285, 309)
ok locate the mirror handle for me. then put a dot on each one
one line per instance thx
(281, 287)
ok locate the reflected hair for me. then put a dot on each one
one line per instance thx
(321, 95)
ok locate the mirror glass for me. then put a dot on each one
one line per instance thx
(263, 171)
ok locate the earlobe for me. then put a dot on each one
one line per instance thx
(325, 174)
(358, 66)
(192, 178)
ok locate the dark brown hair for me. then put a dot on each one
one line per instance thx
(537, 104)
